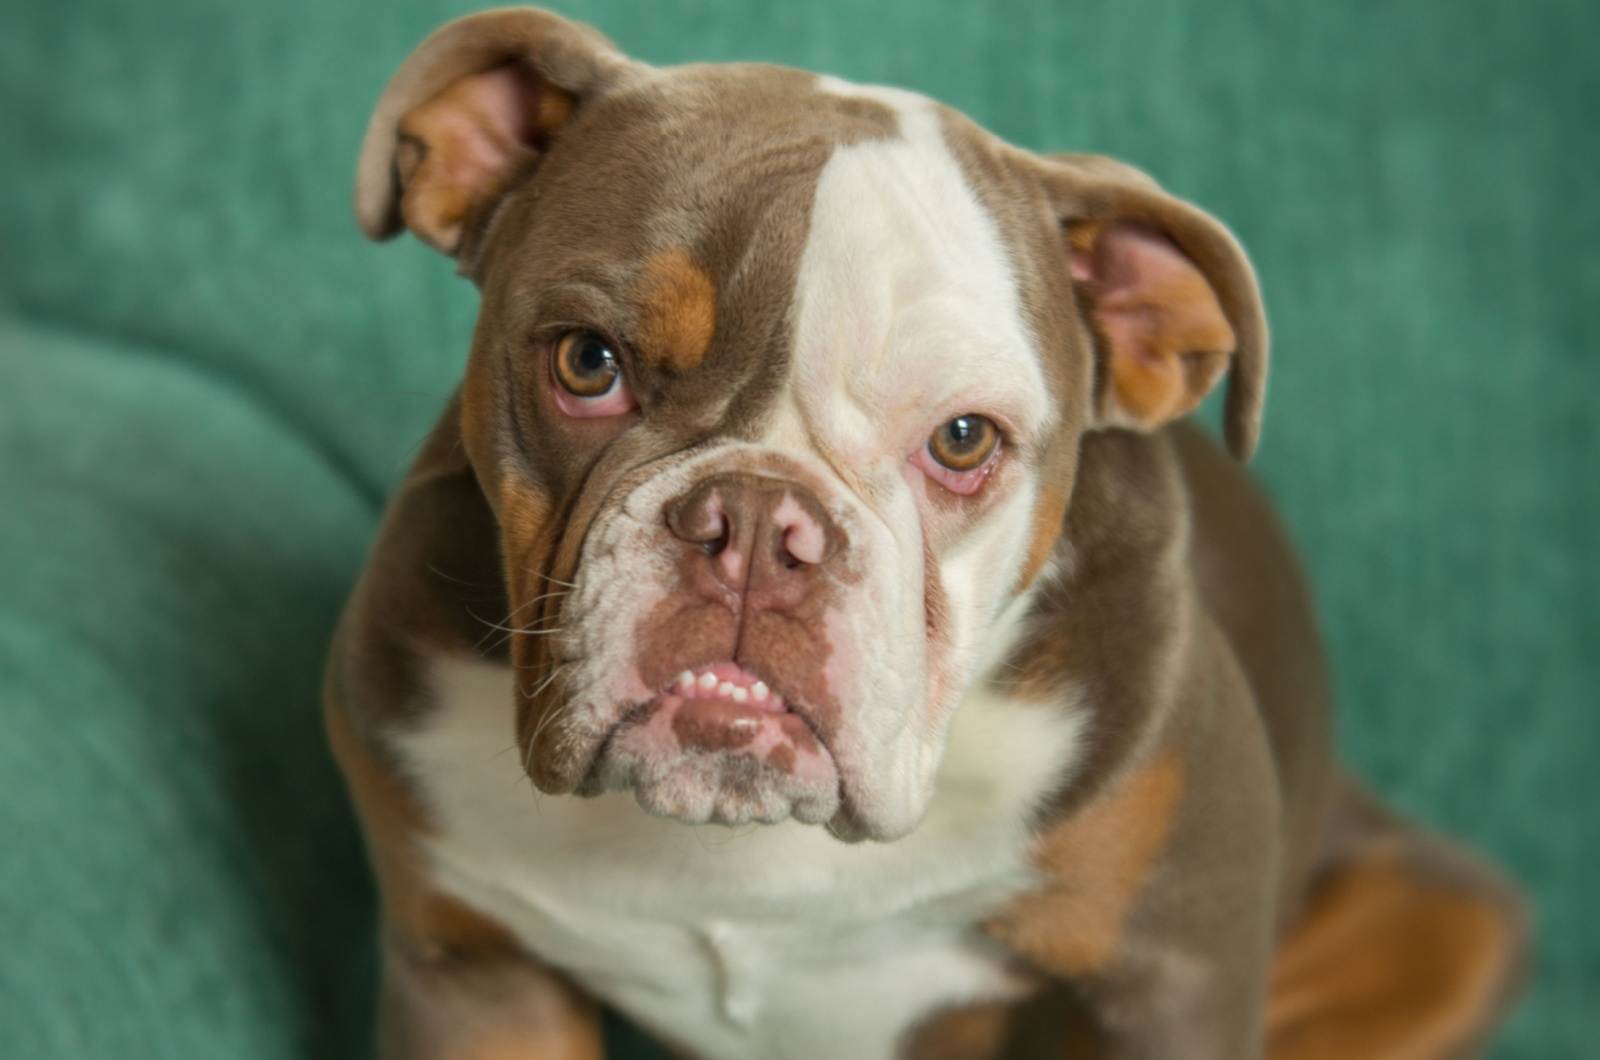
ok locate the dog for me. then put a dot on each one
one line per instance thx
(812, 629)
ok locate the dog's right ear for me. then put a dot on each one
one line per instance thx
(478, 102)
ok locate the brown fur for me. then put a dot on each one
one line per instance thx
(458, 150)
(1052, 1025)
(1166, 339)
(1085, 189)
(455, 982)
(1098, 862)
(482, 1007)
(773, 620)
(957, 1034)
(571, 59)
(433, 925)
(1205, 823)
(1038, 256)
(1385, 966)
(680, 317)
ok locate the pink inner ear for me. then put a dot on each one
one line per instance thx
(507, 101)
(471, 135)
(1168, 336)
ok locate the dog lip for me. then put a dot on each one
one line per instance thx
(605, 739)
(776, 704)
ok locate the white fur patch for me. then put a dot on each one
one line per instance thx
(775, 941)
(907, 314)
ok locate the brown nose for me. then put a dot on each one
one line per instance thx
(752, 537)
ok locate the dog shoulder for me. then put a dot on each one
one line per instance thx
(432, 586)
(1119, 628)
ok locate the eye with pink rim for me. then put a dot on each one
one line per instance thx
(588, 376)
(961, 454)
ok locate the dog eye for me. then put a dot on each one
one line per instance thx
(585, 364)
(964, 443)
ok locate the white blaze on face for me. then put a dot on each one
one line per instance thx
(907, 314)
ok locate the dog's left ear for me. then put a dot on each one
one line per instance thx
(1170, 297)
(476, 104)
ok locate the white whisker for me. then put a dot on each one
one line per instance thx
(511, 631)
(533, 738)
(542, 596)
(530, 631)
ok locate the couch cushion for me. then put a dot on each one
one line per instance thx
(182, 876)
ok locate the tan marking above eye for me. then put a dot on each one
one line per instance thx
(964, 443)
(679, 317)
(585, 364)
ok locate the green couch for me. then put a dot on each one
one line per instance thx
(208, 381)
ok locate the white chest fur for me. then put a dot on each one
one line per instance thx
(771, 941)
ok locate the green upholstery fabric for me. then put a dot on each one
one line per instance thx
(217, 380)
(179, 876)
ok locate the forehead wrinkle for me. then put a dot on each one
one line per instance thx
(953, 368)
(790, 426)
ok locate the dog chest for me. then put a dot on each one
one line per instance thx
(768, 941)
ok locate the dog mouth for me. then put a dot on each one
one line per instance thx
(729, 682)
(724, 706)
(719, 744)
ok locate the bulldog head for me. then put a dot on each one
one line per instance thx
(776, 393)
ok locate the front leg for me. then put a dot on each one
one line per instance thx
(456, 985)
(495, 1006)
(1171, 1000)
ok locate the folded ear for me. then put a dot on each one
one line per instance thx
(481, 99)
(1170, 296)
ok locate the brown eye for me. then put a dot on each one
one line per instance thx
(965, 442)
(585, 364)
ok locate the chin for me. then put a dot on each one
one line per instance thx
(721, 746)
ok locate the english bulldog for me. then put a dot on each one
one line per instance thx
(809, 630)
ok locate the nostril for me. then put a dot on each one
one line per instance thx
(802, 542)
(749, 523)
(700, 519)
(718, 544)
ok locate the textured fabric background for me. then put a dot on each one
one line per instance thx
(210, 381)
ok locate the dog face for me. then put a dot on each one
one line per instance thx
(776, 393)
